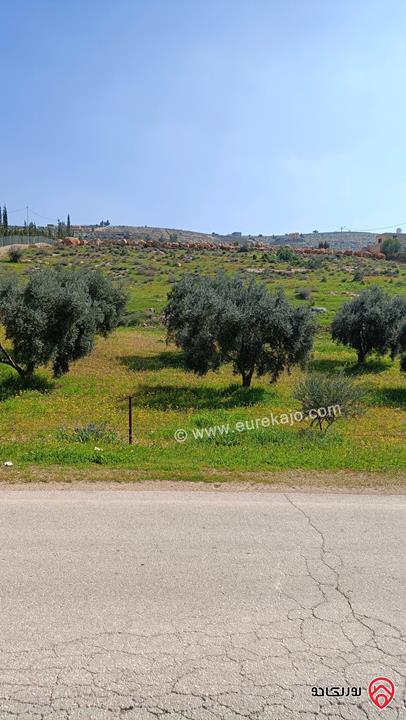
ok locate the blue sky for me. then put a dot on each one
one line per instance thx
(261, 116)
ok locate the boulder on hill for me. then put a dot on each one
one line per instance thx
(72, 241)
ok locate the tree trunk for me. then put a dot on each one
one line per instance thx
(8, 360)
(246, 378)
(361, 356)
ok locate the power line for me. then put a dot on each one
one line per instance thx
(10, 212)
(23, 209)
(382, 227)
(44, 217)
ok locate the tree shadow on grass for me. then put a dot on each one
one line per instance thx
(326, 365)
(12, 385)
(140, 363)
(182, 397)
(391, 396)
(374, 365)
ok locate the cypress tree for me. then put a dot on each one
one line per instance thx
(5, 220)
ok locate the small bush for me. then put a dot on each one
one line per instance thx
(131, 319)
(15, 255)
(303, 294)
(358, 276)
(314, 263)
(390, 247)
(88, 433)
(121, 250)
(286, 254)
(331, 396)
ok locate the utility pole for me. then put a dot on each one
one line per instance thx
(130, 420)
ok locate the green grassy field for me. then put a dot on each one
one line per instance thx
(36, 424)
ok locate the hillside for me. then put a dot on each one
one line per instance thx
(337, 239)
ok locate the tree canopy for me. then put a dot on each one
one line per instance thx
(402, 345)
(390, 247)
(222, 320)
(55, 317)
(370, 323)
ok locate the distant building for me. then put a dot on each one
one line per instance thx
(392, 236)
(293, 237)
(379, 239)
(76, 230)
(236, 234)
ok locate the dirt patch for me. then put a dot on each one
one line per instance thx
(63, 478)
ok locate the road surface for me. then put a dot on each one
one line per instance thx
(200, 605)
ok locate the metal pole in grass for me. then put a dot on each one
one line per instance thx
(130, 419)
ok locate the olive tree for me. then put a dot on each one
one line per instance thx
(396, 325)
(390, 247)
(402, 345)
(223, 320)
(55, 316)
(369, 323)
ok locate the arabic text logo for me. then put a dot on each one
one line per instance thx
(336, 691)
(381, 690)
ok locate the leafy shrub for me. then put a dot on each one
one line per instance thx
(286, 254)
(330, 397)
(303, 294)
(121, 250)
(314, 263)
(390, 247)
(131, 319)
(92, 432)
(358, 275)
(15, 255)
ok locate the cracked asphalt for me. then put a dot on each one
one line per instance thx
(199, 605)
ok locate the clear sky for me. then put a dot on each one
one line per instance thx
(263, 116)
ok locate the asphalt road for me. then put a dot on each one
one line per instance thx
(200, 605)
